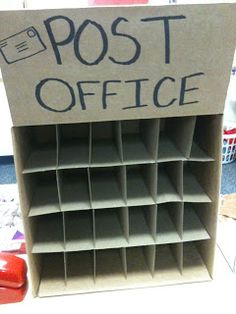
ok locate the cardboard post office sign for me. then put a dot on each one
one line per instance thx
(94, 64)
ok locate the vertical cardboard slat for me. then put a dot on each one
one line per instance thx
(150, 176)
(150, 213)
(176, 212)
(59, 187)
(64, 229)
(124, 260)
(124, 221)
(21, 146)
(94, 266)
(90, 142)
(65, 267)
(94, 227)
(89, 186)
(57, 144)
(118, 138)
(150, 133)
(177, 251)
(175, 172)
(122, 177)
(150, 255)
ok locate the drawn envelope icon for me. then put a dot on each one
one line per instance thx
(22, 45)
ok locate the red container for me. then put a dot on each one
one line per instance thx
(12, 295)
(13, 271)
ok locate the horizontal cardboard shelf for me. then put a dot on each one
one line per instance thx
(118, 186)
(107, 144)
(118, 227)
(121, 268)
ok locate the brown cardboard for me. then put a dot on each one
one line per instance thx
(134, 51)
(115, 197)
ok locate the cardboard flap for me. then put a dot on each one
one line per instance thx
(107, 63)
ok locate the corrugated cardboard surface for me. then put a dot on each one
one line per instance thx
(116, 63)
(118, 200)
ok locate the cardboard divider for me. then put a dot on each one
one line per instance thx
(107, 187)
(140, 263)
(193, 227)
(74, 189)
(106, 144)
(150, 256)
(79, 231)
(42, 193)
(175, 138)
(142, 225)
(194, 265)
(170, 182)
(111, 228)
(169, 223)
(48, 234)
(196, 179)
(141, 184)
(73, 145)
(168, 262)
(42, 149)
(203, 147)
(139, 138)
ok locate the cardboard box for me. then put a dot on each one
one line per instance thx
(117, 118)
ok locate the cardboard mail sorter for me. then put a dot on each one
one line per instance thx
(117, 115)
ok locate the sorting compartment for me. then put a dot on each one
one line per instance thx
(141, 184)
(74, 189)
(193, 189)
(47, 233)
(110, 267)
(194, 266)
(53, 276)
(108, 187)
(139, 138)
(42, 193)
(106, 148)
(79, 271)
(140, 262)
(169, 223)
(203, 146)
(175, 138)
(170, 182)
(79, 231)
(41, 148)
(168, 262)
(142, 225)
(111, 227)
(73, 145)
(193, 228)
